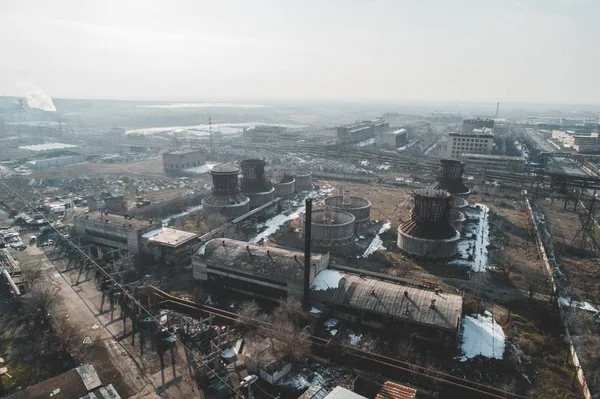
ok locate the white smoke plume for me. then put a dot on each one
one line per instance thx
(36, 97)
(40, 100)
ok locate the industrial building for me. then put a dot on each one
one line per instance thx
(360, 131)
(450, 177)
(267, 134)
(357, 206)
(226, 197)
(170, 246)
(586, 143)
(470, 125)
(479, 141)
(175, 161)
(56, 160)
(382, 302)
(330, 226)
(429, 233)
(254, 269)
(494, 162)
(112, 230)
(255, 185)
(397, 138)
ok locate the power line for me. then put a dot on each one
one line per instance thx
(370, 355)
(125, 292)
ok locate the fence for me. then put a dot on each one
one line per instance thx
(544, 257)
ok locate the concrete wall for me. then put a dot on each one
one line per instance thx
(259, 199)
(436, 249)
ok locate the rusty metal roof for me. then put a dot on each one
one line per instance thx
(388, 298)
(392, 390)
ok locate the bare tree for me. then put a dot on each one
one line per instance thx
(289, 309)
(288, 342)
(249, 314)
(534, 282)
(73, 340)
(32, 273)
(506, 267)
(215, 220)
(40, 304)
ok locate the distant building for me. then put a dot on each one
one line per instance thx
(478, 141)
(586, 143)
(265, 133)
(469, 125)
(115, 231)
(493, 162)
(393, 139)
(49, 162)
(360, 131)
(175, 161)
(564, 137)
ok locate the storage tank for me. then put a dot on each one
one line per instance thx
(331, 226)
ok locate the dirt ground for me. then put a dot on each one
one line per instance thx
(152, 168)
(116, 360)
(581, 268)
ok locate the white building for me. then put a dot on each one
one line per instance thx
(479, 141)
(183, 159)
(493, 162)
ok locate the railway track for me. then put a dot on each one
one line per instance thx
(454, 386)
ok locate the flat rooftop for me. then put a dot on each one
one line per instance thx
(169, 237)
(183, 152)
(257, 259)
(117, 220)
(387, 298)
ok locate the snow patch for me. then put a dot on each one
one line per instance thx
(482, 336)
(331, 323)
(326, 279)
(47, 146)
(354, 338)
(228, 353)
(315, 310)
(366, 142)
(152, 233)
(566, 301)
(167, 220)
(200, 169)
(377, 242)
(473, 247)
(364, 162)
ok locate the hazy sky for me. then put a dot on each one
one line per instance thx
(253, 50)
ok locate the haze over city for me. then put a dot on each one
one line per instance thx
(351, 51)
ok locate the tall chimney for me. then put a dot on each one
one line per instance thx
(307, 236)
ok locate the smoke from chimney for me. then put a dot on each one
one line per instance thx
(36, 97)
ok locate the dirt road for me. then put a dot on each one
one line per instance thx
(116, 361)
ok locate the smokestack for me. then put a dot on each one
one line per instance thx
(307, 237)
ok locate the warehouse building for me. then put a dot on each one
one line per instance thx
(183, 159)
(360, 131)
(112, 230)
(49, 161)
(254, 269)
(266, 133)
(470, 125)
(382, 302)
